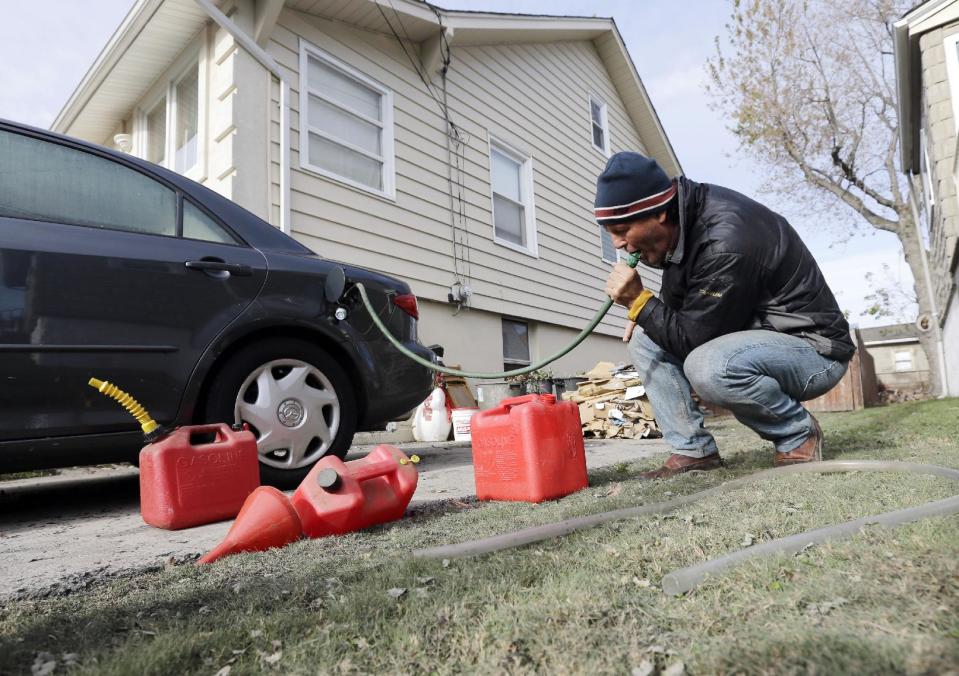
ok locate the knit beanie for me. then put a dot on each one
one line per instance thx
(630, 185)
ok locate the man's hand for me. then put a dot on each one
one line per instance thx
(628, 333)
(624, 285)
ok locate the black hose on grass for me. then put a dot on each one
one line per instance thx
(684, 579)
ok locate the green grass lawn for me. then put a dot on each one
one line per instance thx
(884, 602)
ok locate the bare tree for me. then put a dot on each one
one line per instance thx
(810, 88)
(887, 297)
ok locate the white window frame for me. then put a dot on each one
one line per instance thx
(509, 361)
(194, 57)
(142, 133)
(928, 187)
(529, 199)
(388, 158)
(949, 45)
(896, 360)
(604, 232)
(604, 120)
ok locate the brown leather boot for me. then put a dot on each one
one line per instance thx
(678, 463)
(808, 451)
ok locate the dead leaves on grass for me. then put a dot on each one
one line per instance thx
(45, 663)
(641, 583)
(269, 658)
(655, 663)
(610, 492)
(396, 593)
(823, 608)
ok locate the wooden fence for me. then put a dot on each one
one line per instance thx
(857, 389)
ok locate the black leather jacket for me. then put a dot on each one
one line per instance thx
(738, 266)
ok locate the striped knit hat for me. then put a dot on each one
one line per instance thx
(630, 185)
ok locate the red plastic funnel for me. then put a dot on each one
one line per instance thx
(266, 520)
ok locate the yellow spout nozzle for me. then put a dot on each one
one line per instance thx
(147, 424)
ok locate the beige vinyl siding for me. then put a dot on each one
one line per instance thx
(950, 336)
(937, 99)
(534, 97)
(475, 341)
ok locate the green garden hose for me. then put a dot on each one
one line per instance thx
(631, 261)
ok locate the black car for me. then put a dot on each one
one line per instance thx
(116, 268)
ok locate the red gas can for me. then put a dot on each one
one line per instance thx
(528, 448)
(338, 497)
(185, 484)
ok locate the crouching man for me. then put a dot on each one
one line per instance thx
(744, 315)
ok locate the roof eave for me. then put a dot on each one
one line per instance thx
(135, 20)
(491, 22)
(585, 28)
(677, 168)
(905, 105)
(908, 59)
(588, 29)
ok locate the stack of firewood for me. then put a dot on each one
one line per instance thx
(891, 395)
(613, 404)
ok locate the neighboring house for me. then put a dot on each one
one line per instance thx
(489, 218)
(899, 359)
(927, 82)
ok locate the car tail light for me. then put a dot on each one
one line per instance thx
(407, 303)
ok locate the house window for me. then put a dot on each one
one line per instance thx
(171, 125)
(903, 360)
(156, 133)
(346, 128)
(515, 344)
(610, 252)
(511, 177)
(951, 46)
(599, 124)
(186, 98)
(928, 183)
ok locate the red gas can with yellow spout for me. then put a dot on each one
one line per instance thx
(528, 449)
(339, 497)
(186, 479)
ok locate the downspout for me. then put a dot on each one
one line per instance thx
(933, 308)
(267, 62)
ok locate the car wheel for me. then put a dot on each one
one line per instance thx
(297, 401)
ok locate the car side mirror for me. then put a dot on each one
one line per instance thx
(335, 284)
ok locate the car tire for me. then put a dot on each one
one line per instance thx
(307, 411)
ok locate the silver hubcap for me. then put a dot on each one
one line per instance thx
(290, 413)
(292, 409)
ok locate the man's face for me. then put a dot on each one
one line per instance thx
(651, 236)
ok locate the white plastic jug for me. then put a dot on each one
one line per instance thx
(431, 422)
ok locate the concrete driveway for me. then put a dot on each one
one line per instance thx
(62, 532)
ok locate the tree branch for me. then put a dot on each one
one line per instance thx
(852, 178)
(822, 180)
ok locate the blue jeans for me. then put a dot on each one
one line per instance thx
(761, 376)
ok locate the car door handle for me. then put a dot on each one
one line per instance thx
(238, 269)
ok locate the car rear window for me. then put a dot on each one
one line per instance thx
(197, 225)
(42, 180)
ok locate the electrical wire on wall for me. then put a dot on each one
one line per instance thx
(456, 144)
